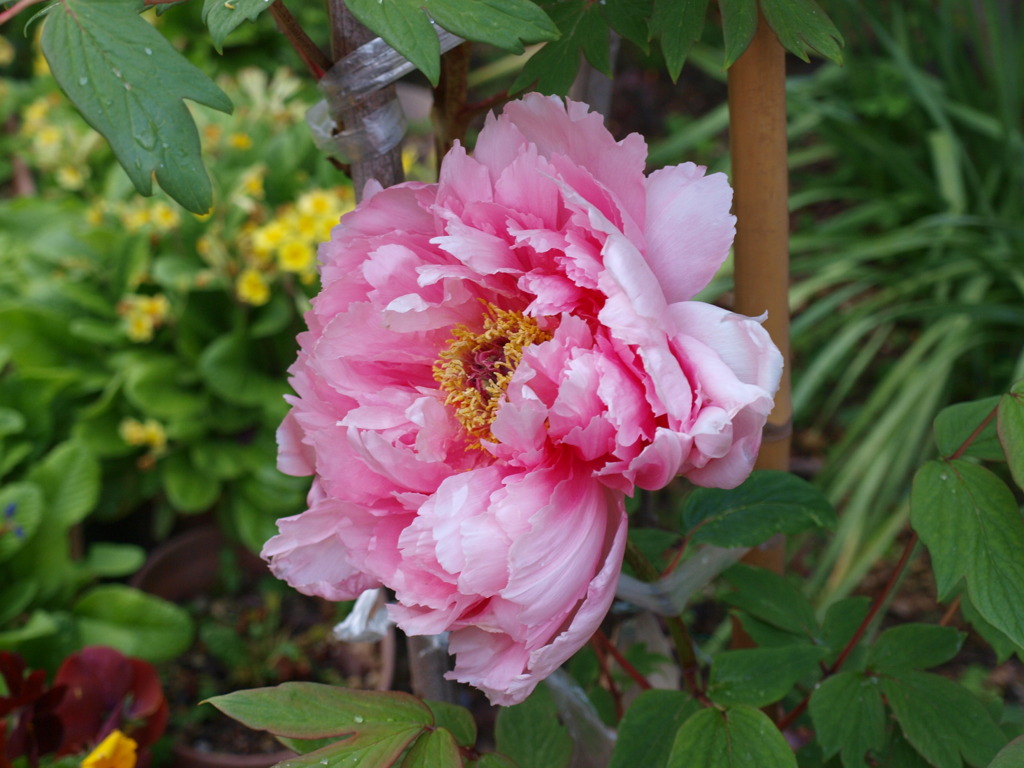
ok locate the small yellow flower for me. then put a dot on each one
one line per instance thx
(47, 140)
(139, 327)
(252, 288)
(240, 141)
(70, 177)
(94, 214)
(154, 435)
(252, 182)
(135, 219)
(163, 216)
(35, 113)
(295, 256)
(132, 431)
(319, 202)
(155, 307)
(266, 239)
(115, 751)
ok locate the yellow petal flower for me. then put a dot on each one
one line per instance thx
(252, 288)
(115, 751)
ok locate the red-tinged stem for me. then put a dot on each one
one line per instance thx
(950, 612)
(15, 9)
(613, 688)
(974, 435)
(316, 61)
(605, 644)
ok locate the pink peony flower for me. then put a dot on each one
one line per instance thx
(493, 362)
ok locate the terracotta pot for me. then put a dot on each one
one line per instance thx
(186, 567)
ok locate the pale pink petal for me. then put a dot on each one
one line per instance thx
(689, 228)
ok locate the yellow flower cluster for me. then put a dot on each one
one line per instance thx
(288, 242)
(115, 751)
(149, 433)
(142, 315)
(57, 146)
(158, 216)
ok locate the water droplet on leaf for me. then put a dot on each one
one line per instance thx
(83, 81)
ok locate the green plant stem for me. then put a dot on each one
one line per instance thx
(646, 572)
(974, 435)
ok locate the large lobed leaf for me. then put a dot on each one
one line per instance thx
(769, 502)
(223, 18)
(739, 737)
(128, 82)
(972, 526)
(1011, 430)
(317, 711)
(405, 25)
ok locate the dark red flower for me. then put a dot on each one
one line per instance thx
(107, 690)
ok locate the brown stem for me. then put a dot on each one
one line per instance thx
(974, 435)
(622, 661)
(450, 122)
(950, 612)
(646, 572)
(316, 61)
(606, 673)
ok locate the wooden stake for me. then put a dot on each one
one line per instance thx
(757, 137)
(347, 34)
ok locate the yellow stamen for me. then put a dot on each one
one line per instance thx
(477, 366)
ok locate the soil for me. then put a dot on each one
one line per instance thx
(286, 636)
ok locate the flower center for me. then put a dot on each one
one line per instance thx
(477, 366)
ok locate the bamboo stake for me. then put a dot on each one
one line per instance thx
(757, 137)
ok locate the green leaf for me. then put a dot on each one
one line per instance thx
(223, 459)
(405, 26)
(456, 719)
(70, 479)
(955, 424)
(648, 728)
(679, 24)
(629, 18)
(40, 624)
(771, 598)
(188, 489)
(114, 560)
(1001, 644)
(376, 747)
(802, 26)
(228, 368)
(15, 599)
(922, 704)
(761, 676)
(11, 422)
(135, 623)
(435, 749)
(769, 502)
(739, 737)
(492, 760)
(1011, 430)
(317, 711)
(915, 646)
(21, 507)
(972, 526)
(223, 18)
(531, 734)
(841, 622)
(583, 29)
(849, 717)
(739, 22)
(155, 385)
(1011, 756)
(129, 83)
